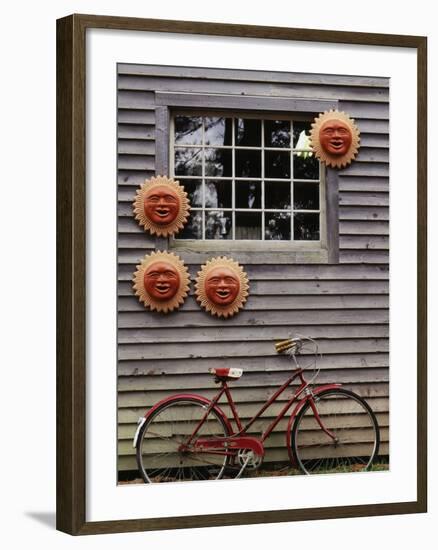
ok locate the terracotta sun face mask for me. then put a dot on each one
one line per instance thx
(222, 287)
(161, 281)
(335, 138)
(161, 206)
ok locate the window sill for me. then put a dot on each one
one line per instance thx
(266, 251)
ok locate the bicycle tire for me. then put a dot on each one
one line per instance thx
(157, 454)
(352, 421)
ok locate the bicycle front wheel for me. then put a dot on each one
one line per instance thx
(353, 440)
(160, 457)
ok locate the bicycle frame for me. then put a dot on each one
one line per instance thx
(237, 440)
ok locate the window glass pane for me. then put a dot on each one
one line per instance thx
(218, 225)
(218, 194)
(298, 128)
(218, 162)
(277, 194)
(277, 133)
(306, 168)
(306, 196)
(248, 163)
(188, 130)
(248, 132)
(193, 227)
(248, 194)
(306, 227)
(218, 130)
(248, 225)
(277, 164)
(193, 189)
(277, 226)
(188, 162)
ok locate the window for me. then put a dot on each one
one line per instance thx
(249, 178)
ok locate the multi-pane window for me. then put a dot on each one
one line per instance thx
(247, 178)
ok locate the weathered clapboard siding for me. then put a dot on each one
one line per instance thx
(343, 305)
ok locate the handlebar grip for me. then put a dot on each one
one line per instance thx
(284, 345)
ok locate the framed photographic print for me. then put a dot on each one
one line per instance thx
(241, 274)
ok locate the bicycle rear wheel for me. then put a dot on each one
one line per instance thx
(350, 419)
(159, 457)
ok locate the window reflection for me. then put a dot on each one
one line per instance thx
(306, 227)
(218, 131)
(277, 195)
(218, 225)
(218, 162)
(277, 133)
(188, 162)
(188, 130)
(248, 225)
(248, 132)
(306, 196)
(248, 194)
(277, 226)
(248, 163)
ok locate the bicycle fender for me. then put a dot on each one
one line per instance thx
(207, 402)
(297, 409)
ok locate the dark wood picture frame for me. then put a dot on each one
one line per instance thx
(71, 272)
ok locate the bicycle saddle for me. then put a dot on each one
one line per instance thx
(226, 373)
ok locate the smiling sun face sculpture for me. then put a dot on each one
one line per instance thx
(161, 281)
(161, 206)
(335, 138)
(222, 287)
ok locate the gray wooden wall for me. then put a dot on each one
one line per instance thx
(344, 305)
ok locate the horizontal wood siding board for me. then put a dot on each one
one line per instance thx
(358, 109)
(131, 178)
(136, 131)
(249, 334)
(333, 362)
(364, 228)
(136, 147)
(363, 213)
(249, 379)
(136, 162)
(358, 198)
(242, 395)
(132, 413)
(298, 271)
(242, 87)
(276, 441)
(366, 256)
(134, 100)
(364, 184)
(279, 303)
(289, 318)
(369, 242)
(374, 140)
(245, 349)
(369, 169)
(247, 75)
(128, 464)
(291, 288)
(243, 102)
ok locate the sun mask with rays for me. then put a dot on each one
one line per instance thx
(222, 287)
(335, 138)
(161, 206)
(161, 281)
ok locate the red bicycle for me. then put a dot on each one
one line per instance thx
(189, 437)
